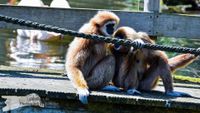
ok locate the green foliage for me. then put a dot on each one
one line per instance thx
(193, 69)
(187, 79)
(172, 42)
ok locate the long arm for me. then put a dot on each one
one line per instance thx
(166, 76)
(76, 76)
(132, 80)
(181, 61)
(75, 59)
(158, 68)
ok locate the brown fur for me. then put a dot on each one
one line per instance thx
(103, 17)
(11, 2)
(87, 64)
(181, 61)
(142, 68)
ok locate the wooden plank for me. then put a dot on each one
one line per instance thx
(72, 18)
(18, 84)
(177, 26)
(71, 106)
(151, 5)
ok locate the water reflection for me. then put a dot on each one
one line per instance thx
(23, 52)
(106, 4)
(100, 4)
(18, 51)
(28, 53)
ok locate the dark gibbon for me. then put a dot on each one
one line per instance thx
(140, 69)
(88, 64)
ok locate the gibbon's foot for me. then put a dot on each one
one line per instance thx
(83, 94)
(133, 92)
(111, 88)
(177, 94)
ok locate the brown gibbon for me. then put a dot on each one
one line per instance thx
(140, 69)
(88, 64)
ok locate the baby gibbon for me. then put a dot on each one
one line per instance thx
(140, 69)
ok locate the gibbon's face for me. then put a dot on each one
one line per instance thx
(108, 28)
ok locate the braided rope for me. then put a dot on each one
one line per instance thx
(36, 25)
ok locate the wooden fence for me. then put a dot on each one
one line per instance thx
(151, 20)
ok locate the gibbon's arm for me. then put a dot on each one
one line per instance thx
(165, 73)
(76, 76)
(75, 61)
(181, 61)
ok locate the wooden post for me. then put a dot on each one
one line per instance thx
(152, 6)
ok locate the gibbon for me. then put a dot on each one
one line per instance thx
(140, 69)
(88, 65)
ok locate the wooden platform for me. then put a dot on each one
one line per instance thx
(59, 95)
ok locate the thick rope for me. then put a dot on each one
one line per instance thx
(36, 25)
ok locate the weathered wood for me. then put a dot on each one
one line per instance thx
(151, 5)
(22, 82)
(71, 106)
(177, 26)
(155, 24)
(72, 18)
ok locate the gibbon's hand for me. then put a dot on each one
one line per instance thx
(198, 50)
(136, 40)
(133, 92)
(139, 41)
(111, 88)
(83, 94)
(177, 94)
